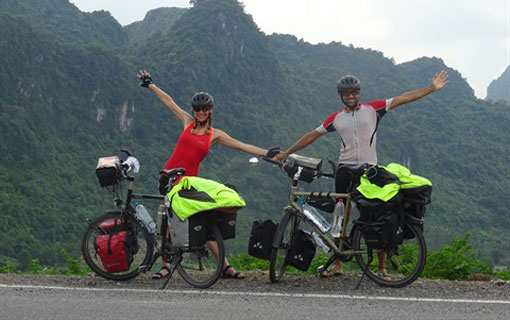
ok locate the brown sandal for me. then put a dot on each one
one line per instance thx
(159, 275)
(237, 275)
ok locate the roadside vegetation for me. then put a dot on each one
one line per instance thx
(455, 261)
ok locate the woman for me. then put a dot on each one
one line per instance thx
(193, 145)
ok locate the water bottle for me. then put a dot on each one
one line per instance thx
(338, 215)
(145, 218)
(159, 223)
(320, 243)
(315, 217)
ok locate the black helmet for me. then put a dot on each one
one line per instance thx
(348, 82)
(202, 99)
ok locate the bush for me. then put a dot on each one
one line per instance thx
(9, 267)
(454, 262)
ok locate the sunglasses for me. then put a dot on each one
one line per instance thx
(350, 92)
(201, 108)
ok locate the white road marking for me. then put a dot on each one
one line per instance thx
(264, 294)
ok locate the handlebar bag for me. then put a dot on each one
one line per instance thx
(108, 171)
(261, 239)
(302, 251)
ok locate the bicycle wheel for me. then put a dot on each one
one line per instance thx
(141, 247)
(200, 266)
(403, 265)
(281, 244)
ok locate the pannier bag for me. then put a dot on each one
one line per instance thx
(114, 252)
(381, 199)
(226, 222)
(191, 232)
(414, 188)
(193, 194)
(417, 211)
(111, 226)
(260, 243)
(108, 171)
(116, 247)
(379, 223)
(302, 251)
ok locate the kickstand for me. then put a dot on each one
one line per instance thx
(324, 267)
(370, 259)
(171, 272)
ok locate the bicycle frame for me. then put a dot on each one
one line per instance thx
(295, 194)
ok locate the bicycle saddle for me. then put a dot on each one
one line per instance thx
(173, 172)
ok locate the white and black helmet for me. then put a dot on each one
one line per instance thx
(348, 82)
(202, 99)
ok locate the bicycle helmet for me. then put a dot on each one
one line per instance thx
(202, 99)
(348, 82)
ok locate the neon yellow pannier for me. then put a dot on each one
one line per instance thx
(193, 195)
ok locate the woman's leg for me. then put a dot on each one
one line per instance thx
(228, 270)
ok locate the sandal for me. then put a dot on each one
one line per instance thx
(331, 273)
(159, 275)
(383, 274)
(237, 274)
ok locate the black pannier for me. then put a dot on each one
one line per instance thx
(226, 222)
(301, 252)
(261, 239)
(419, 194)
(417, 212)
(413, 203)
(380, 223)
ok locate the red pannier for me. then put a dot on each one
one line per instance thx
(114, 247)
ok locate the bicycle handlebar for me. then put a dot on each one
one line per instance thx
(285, 166)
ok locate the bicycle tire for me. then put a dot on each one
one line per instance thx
(199, 267)
(89, 248)
(403, 267)
(283, 237)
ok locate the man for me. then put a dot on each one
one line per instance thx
(357, 125)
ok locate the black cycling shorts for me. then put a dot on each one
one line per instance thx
(347, 176)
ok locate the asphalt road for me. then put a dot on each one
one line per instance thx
(39, 297)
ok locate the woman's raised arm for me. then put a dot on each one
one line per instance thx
(182, 115)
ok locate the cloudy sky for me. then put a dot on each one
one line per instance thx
(471, 36)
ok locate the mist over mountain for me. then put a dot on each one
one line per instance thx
(69, 95)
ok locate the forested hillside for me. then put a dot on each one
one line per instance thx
(499, 89)
(69, 94)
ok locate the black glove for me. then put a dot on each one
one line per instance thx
(272, 152)
(146, 80)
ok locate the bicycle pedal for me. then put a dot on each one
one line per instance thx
(143, 269)
(320, 270)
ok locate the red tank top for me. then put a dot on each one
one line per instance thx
(189, 152)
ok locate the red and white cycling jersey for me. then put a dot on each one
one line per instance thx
(357, 130)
